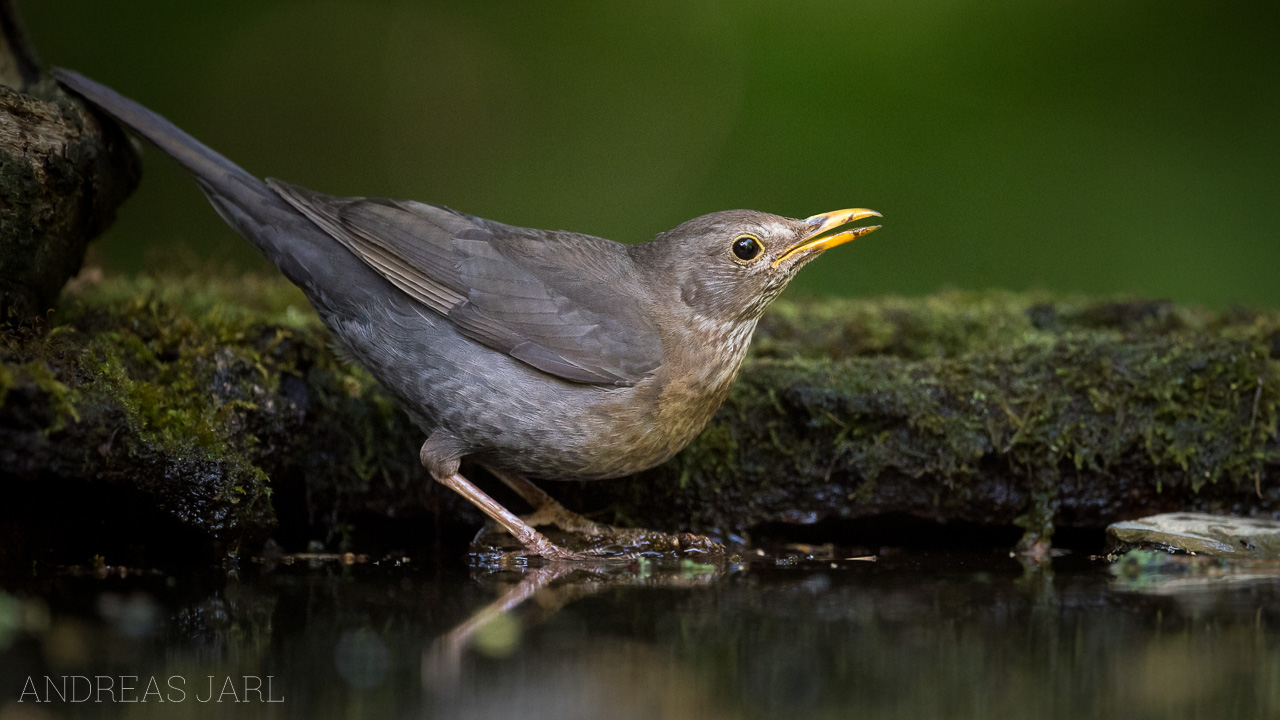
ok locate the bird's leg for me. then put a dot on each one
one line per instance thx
(441, 455)
(546, 511)
(532, 540)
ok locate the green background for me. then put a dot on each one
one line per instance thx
(1112, 147)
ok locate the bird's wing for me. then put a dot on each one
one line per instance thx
(565, 304)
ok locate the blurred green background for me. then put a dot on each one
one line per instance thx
(1101, 146)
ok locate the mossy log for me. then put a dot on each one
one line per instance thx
(63, 172)
(993, 409)
(196, 413)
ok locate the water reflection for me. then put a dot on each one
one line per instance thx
(493, 632)
(911, 636)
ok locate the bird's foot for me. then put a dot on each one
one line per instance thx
(635, 539)
(547, 550)
(553, 513)
(608, 543)
(610, 539)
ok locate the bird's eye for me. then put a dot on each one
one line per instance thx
(747, 247)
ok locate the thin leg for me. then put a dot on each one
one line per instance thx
(533, 541)
(546, 511)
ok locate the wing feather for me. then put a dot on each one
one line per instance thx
(563, 303)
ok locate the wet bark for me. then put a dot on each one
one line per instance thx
(63, 172)
(198, 414)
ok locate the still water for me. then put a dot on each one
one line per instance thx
(805, 633)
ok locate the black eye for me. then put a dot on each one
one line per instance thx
(747, 248)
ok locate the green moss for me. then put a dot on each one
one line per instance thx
(988, 407)
(208, 394)
(954, 324)
(179, 381)
(61, 397)
(1175, 389)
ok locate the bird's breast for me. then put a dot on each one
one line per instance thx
(698, 374)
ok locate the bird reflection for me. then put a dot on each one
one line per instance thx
(550, 587)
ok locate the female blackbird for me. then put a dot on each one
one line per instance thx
(536, 353)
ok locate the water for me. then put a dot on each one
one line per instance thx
(804, 634)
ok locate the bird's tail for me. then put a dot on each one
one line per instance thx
(298, 247)
(193, 155)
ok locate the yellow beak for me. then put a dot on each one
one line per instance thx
(816, 242)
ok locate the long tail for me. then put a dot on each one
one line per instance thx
(305, 253)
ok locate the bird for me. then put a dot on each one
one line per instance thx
(535, 354)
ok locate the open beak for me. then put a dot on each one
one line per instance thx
(816, 242)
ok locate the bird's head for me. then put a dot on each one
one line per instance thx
(730, 265)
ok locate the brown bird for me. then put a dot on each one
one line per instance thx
(535, 353)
